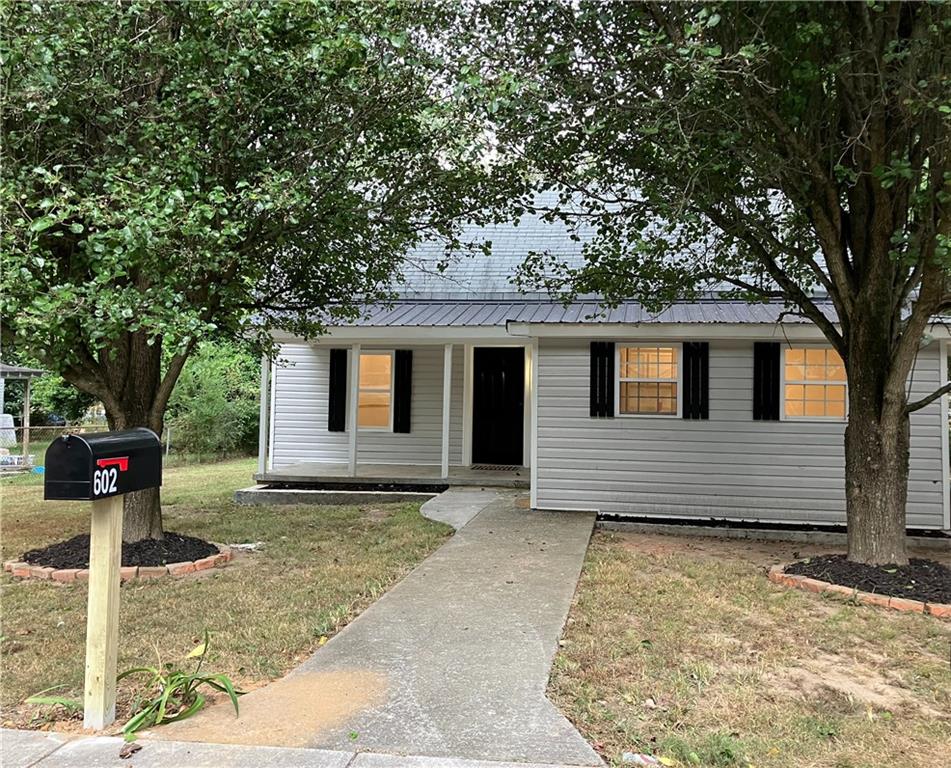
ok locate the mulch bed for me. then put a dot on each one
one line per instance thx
(74, 552)
(923, 580)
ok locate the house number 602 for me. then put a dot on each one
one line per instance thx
(104, 481)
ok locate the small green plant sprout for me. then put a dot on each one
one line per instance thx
(176, 694)
(72, 706)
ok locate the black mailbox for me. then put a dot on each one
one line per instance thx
(104, 464)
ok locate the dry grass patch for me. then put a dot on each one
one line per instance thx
(319, 567)
(682, 648)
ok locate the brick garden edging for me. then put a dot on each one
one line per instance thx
(778, 576)
(126, 573)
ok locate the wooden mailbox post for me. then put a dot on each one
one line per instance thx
(102, 468)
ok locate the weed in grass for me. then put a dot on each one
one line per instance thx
(820, 727)
(714, 750)
(70, 705)
(176, 692)
(54, 707)
(329, 620)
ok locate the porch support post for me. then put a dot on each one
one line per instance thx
(263, 414)
(533, 430)
(945, 449)
(446, 405)
(467, 405)
(353, 404)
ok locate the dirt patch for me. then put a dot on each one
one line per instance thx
(380, 512)
(923, 580)
(759, 552)
(287, 713)
(173, 548)
(861, 684)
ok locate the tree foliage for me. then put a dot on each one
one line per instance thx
(175, 170)
(51, 394)
(171, 168)
(214, 408)
(787, 150)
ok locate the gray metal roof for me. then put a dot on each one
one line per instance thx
(469, 313)
(474, 288)
(19, 372)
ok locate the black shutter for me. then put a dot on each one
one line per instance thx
(696, 396)
(766, 381)
(602, 379)
(402, 390)
(337, 399)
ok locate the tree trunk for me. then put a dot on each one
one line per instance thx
(876, 471)
(133, 405)
(128, 378)
(142, 516)
(142, 510)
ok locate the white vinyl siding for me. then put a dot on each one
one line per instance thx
(300, 412)
(726, 467)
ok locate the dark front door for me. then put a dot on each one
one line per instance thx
(498, 400)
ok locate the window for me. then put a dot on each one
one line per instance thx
(648, 381)
(375, 403)
(814, 383)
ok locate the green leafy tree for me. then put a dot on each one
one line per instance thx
(786, 149)
(172, 169)
(52, 394)
(49, 394)
(214, 408)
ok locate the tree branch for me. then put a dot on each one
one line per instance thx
(919, 404)
(164, 391)
(791, 289)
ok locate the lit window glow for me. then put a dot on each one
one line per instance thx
(814, 383)
(648, 380)
(374, 406)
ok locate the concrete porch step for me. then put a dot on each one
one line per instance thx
(264, 494)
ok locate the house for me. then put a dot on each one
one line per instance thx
(715, 409)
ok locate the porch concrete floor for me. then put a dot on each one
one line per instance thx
(451, 662)
(403, 474)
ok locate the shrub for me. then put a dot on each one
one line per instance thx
(214, 408)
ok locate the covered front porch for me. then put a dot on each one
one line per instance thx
(429, 412)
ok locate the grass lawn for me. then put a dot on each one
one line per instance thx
(681, 648)
(319, 567)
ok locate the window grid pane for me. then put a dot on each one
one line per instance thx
(374, 409)
(644, 397)
(375, 371)
(815, 383)
(648, 380)
(648, 364)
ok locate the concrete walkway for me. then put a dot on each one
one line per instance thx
(457, 506)
(452, 662)
(35, 749)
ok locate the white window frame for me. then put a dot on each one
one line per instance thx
(379, 353)
(782, 387)
(678, 349)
